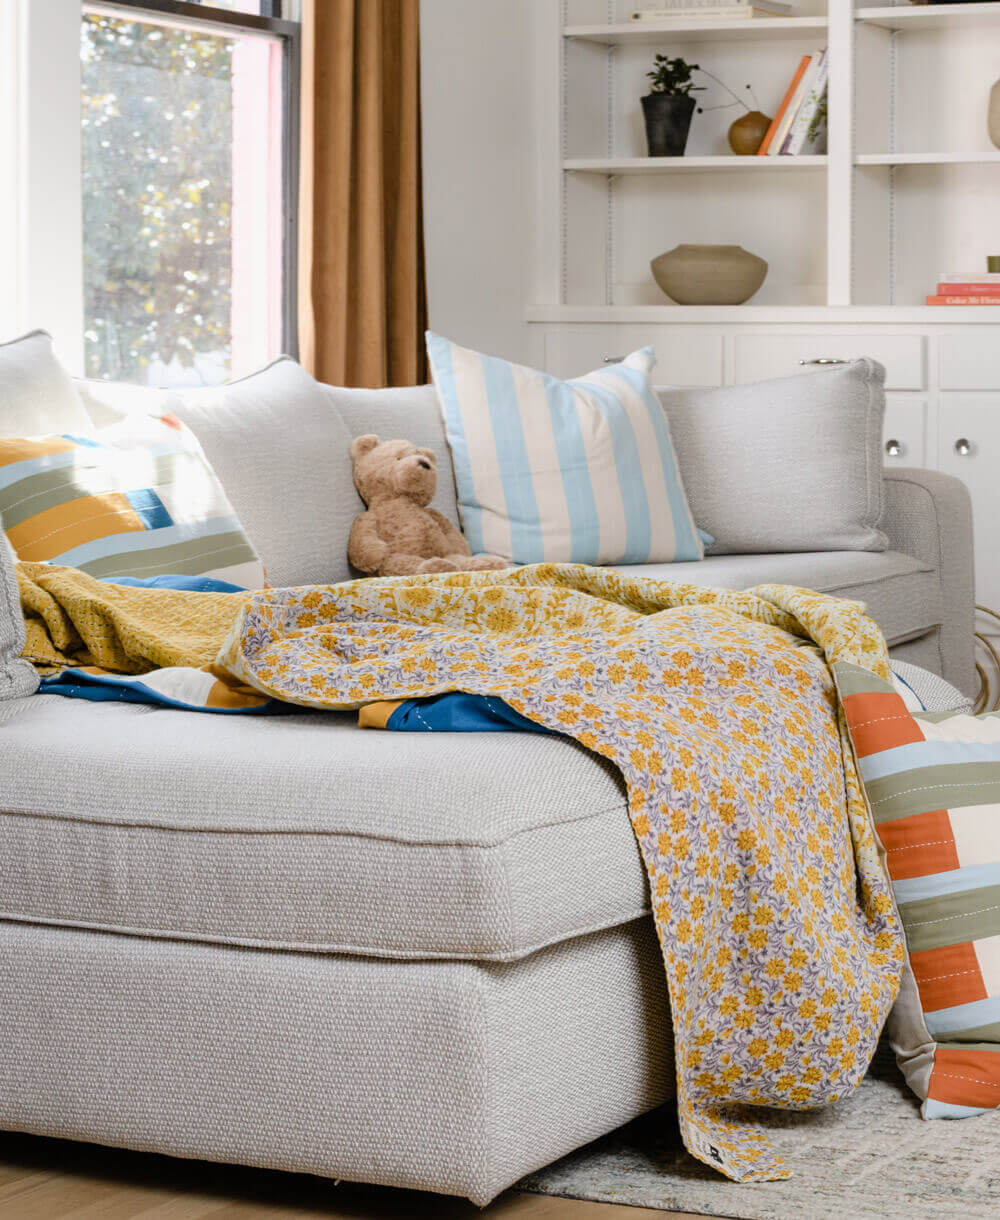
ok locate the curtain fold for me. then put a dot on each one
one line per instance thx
(362, 294)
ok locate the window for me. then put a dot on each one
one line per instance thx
(188, 154)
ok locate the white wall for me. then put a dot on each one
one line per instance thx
(41, 269)
(479, 149)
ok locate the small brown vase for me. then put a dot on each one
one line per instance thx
(747, 134)
(993, 114)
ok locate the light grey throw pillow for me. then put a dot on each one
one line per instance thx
(37, 395)
(17, 677)
(411, 413)
(793, 464)
(282, 454)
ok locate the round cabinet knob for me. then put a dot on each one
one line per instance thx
(893, 448)
(962, 447)
(824, 360)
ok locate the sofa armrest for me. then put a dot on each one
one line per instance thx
(928, 515)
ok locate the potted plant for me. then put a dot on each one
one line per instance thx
(668, 106)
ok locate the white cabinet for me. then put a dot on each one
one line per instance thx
(692, 357)
(759, 357)
(968, 446)
(904, 435)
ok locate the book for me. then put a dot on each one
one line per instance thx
(972, 277)
(960, 300)
(790, 112)
(802, 101)
(786, 101)
(807, 134)
(721, 13)
(969, 290)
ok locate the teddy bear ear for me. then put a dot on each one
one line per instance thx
(428, 453)
(363, 445)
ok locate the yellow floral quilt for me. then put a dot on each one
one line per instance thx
(780, 941)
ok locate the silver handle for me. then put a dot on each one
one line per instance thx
(825, 360)
(893, 448)
(613, 359)
(962, 447)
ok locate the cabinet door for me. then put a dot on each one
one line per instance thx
(969, 448)
(904, 434)
(685, 355)
(571, 351)
(760, 357)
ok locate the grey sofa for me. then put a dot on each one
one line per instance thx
(425, 961)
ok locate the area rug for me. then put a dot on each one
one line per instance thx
(868, 1156)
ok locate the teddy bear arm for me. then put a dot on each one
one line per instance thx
(365, 549)
(455, 543)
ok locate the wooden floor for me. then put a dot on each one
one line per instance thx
(44, 1179)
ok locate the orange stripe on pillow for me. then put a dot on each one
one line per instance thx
(948, 976)
(965, 1078)
(879, 721)
(919, 846)
(21, 450)
(59, 529)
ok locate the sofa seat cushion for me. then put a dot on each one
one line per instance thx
(306, 832)
(902, 594)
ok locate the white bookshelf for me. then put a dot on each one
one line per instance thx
(908, 189)
(855, 240)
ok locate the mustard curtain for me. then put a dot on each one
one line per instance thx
(362, 294)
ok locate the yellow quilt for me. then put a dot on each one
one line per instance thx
(780, 940)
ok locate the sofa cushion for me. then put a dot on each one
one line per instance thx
(304, 831)
(37, 394)
(793, 464)
(902, 594)
(411, 413)
(281, 452)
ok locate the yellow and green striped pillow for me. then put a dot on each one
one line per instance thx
(137, 499)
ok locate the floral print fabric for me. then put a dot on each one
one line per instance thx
(780, 940)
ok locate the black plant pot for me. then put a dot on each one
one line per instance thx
(668, 121)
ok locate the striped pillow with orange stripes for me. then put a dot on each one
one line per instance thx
(932, 780)
(137, 499)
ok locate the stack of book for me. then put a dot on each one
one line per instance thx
(725, 10)
(799, 127)
(972, 288)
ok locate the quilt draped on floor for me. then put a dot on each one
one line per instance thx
(781, 944)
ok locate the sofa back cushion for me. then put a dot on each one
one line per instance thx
(793, 464)
(411, 413)
(36, 393)
(280, 450)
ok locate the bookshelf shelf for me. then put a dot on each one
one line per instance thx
(988, 157)
(688, 165)
(649, 33)
(930, 16)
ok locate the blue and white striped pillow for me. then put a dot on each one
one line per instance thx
(580, 471)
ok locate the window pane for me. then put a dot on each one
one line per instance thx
(182, 201)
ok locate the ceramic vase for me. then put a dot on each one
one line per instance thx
(709, 275)
(668, 121)
(747, 134)
(993, 114)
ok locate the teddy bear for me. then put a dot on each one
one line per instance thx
(399, 535)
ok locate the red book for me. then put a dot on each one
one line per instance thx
(960, 300)
(969, 290)
(785, 103)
